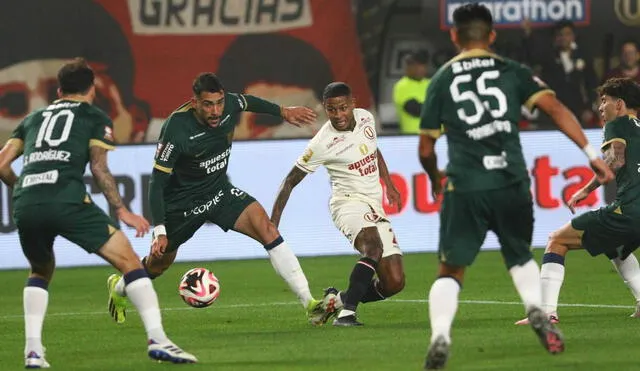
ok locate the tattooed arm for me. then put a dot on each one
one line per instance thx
(103, 177)
(107, 184)
(614, 158)
(295, 176)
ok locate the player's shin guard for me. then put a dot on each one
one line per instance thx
(443, 305)
(35, 300)
(629, 270)
(373, 292)
(526, 279)
(141, 293)
(286, 264)
(359, 283)
(551, 279)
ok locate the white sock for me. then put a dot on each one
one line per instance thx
(35, 301)
(551, 278)
(629, 270)
(286, 264)
(144, 298)
(526, 279)
(443, 304)
(120, 290)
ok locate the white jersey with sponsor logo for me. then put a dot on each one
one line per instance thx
(350, 158)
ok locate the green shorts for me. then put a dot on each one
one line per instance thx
(221, 207)
(466, 217)
(608, 231)
(85, 224)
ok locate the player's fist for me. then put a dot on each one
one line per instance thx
(393, 196)
(134, 221)
(159, 245)
(299, 116)
(603, 172)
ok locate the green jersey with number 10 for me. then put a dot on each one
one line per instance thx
(55, 142)
(476, 98)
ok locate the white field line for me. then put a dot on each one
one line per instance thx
(416, 301)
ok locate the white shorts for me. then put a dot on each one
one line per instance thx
(351, 216)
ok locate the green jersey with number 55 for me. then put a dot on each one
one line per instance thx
(476, 98)
(55, 143)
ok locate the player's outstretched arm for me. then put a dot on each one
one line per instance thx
(568, 124)
(429, 162)
(8, 154)
(294, 115)
(294, 177)
(107, 184)
(614, 157)
(393, 195)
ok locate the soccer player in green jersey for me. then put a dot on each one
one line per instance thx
(189, 186)
(50, 199)
(477, 98)
(612, 230)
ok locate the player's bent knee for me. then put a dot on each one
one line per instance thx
(118, 251)
(368, 242)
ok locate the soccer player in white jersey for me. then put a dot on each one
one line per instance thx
(347, 147)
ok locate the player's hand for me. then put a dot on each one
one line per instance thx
(577, 197)
(134, 221)
(603, 173)
(299, 116)
(436, 188)
(394, 198)
(159, 245)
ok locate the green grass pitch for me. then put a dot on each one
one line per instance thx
(257, 324)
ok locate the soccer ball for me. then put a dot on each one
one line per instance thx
(199, 287)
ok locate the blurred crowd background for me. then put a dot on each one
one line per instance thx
(146, 53)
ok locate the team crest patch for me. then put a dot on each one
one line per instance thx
(539, 81)
(158, 150)
(108, 133)
(307, 155)
(368, 132)
(363, 149)
(372, 217)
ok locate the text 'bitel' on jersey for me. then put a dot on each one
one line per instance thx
(56, 143)
(476, 98)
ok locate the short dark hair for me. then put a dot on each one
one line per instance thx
(207, 81)
(622, 88)
(630, 41)
(562, 24)
(418, 57)
(75, 77)
(473, 22)
(336, 89)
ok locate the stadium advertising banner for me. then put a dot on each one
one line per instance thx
(557, 167)
(146, 53)
(511, 13)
